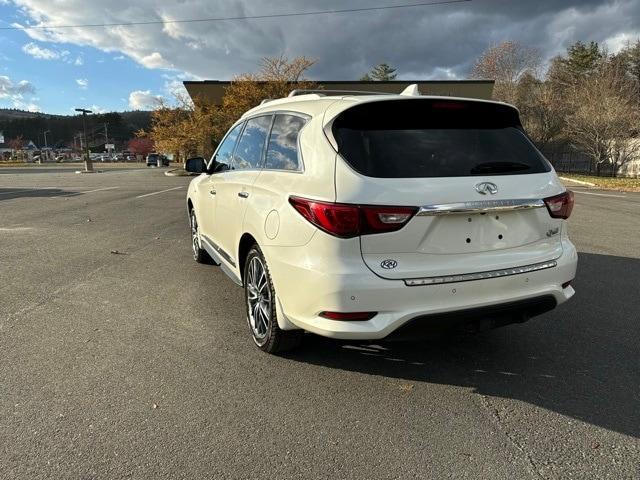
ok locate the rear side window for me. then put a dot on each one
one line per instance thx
(250, 147)
(435, 138)
(282, 150)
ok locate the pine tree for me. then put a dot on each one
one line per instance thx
(380, 73)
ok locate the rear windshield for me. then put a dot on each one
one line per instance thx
(435, 138)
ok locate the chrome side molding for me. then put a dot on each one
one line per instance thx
(466, 277)
(480, 206)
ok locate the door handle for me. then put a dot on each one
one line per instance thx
(243, 194)
(212, 191)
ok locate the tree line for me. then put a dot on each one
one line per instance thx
(61, 129)
(587, 100)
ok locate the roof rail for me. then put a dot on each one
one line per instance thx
(323, 92)
(267, 100)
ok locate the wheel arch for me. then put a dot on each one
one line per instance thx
(246, 241)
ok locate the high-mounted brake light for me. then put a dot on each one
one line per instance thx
(346, 220)
(560, 206)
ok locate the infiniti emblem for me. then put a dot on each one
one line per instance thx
(388, 264)
(486, 187)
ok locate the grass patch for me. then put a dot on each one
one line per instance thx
(620, 184)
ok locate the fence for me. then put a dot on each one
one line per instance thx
(570, 161)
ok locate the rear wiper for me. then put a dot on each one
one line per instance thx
(498, 167)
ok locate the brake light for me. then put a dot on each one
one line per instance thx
(560, 206)
(347, 220)
(348, 315)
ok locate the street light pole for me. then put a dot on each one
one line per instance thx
(88, 166)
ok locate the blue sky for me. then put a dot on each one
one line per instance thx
(129, 67)
(69, 75)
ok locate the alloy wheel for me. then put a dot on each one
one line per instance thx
(259, 300)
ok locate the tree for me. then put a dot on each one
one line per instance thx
(380, 73)
(582, 61)
(16, 143)
(604, 117)
(141, 145)
(506, 63)
(277, 77)
(194, 127)
(542, 110)
(184, 129)
(629, 60)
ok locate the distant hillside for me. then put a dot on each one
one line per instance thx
(13, 114)
(120, 126)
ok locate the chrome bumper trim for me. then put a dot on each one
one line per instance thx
(480, 206)
(466, 277)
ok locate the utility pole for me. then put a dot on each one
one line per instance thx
(46, 146)
(88, 166)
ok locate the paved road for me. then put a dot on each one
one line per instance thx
(138, 364)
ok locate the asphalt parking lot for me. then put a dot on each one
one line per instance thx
(120, 357)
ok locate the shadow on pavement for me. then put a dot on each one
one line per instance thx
(10, 193)
(581, 360)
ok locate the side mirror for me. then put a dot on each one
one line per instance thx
(195, 165)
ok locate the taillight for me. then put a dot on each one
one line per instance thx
(346, 220)
(560, 206)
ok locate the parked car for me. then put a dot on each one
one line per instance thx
(157, 160)
(358, 217)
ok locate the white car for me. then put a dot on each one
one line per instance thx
(358, 216)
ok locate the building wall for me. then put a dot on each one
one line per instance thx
(213, 90)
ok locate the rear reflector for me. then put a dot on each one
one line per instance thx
(349, 220)
(348, 315)
(560, 206)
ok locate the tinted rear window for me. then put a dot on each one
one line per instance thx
(435, 138)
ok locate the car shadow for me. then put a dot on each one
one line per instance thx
(11, 193)
(581, 360)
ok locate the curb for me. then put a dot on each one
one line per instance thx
(581, 182)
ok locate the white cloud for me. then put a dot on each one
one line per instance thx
(415, 40)
(45, 53)
(40, 52)
(83, 83)
(619, 41)
(15, 92)
(119, 57)
(9, 89)
(154, 60)
(97, 109)
(143, 100)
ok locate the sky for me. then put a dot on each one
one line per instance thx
(119, 68)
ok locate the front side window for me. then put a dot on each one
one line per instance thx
(248, 154)
(222, 158)
(282, 151)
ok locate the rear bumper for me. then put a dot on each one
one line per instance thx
(307, 285)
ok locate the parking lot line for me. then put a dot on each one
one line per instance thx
(99, 189)
(157, 193)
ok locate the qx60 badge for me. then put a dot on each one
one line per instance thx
(486, 187)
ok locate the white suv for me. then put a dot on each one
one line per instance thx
(351, 216)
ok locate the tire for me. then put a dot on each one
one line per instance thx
(260, 301)
(199, 255)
